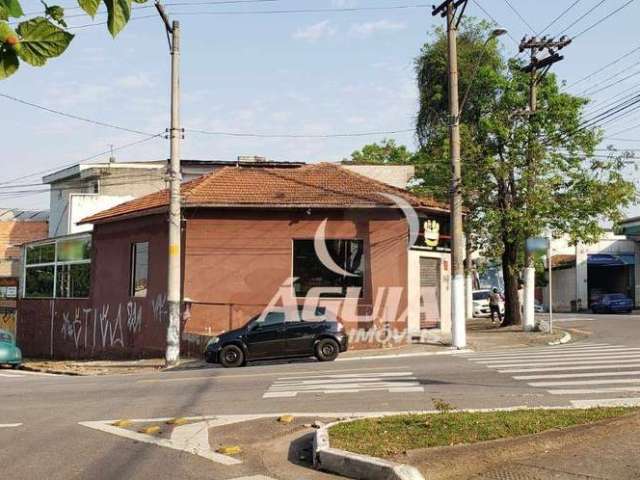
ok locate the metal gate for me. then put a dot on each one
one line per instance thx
(429, 292)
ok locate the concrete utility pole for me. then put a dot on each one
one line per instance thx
(172, 355)
(449, 8)
(537, 69)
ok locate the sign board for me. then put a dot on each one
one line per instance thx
(537, 244)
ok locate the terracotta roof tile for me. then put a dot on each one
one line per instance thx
(322, 185)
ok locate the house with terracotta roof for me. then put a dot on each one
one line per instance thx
(375, 254)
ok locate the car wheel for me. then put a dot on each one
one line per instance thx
(231, 356)
(15, 366)
(327, 350)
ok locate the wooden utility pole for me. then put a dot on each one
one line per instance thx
(453, 10)
(172, 354)
(537, 68)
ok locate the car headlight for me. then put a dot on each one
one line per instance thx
(213, 341)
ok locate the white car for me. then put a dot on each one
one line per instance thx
(481, 304)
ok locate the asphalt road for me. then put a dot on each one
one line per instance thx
(51, 443)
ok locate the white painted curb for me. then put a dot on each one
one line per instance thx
(566, 338)
(354, 465)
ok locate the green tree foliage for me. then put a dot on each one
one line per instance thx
(38, 39)
(386, 152)
(571, 191)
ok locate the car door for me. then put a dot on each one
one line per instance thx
(300, 336)
(266, 339)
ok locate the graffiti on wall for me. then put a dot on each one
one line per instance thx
(104, 327)
(8, 320)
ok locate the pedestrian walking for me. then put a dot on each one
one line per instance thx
(495, 300)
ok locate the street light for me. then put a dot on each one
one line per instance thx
(495, 33)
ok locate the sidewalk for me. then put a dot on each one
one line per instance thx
(481, 336)
(604, 450)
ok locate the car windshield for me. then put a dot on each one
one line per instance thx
(6, 337)
(616, 296)
(481, 295)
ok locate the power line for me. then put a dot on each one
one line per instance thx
(524, 20)
(86, 159)
(608, 65)
(584, 15)
(287, 135)
(493, 19)
(72, 116)
(590, 27)
(564, 12)
(310, 10)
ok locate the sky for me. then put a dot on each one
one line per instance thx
(307, 73)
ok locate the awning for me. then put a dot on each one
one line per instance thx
(610, 260)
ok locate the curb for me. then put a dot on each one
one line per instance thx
(51, 371)
(405, 355)
(355, 465)
(566, 338)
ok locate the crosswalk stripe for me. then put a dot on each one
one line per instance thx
(584, 382)
(573, 353)
(335, 382)
(559, 348)
(584, 361)
(584, 391)
(544, 351)
(333, 386)
(348, 375)
(576, 356)
(607, 402)
(570, 368)
(576, 375)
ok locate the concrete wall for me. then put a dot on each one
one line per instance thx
(564, 289)
(110, 323)
(12, 235)
(395, 175)
(125, 183)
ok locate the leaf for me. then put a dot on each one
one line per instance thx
(4, 13)
(41, 40)
(89, 6)
(9, 63)
(13, 8)
(56, 13)
(119, 12)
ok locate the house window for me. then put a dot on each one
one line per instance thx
(311, 272)
(58, 269)
(139, 269)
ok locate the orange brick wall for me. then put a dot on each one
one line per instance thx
(12, 235)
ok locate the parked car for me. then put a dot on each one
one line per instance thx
(269, 336)
(613, 303)
(538, 307)
(481, 304)
(10, 354)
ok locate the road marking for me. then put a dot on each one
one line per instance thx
(577, 375)
(584, 382)
(584, 391)
(570, 358)
(404, 355)
(191, 438)
(555, 348)
(265, 374)
(393, 382)
(562, 369)
(10, 375)
(607, 402)
(254, 477)
(10, 425)
(565, 354)
(584, 361)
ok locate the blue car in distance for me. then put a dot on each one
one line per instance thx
(10, 354)
(612, 303)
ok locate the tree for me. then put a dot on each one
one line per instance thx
(387, 152)
(38, 39)
(572, 190)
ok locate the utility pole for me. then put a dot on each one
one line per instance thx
(172, 355)
(537, 68)
(449, 9)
